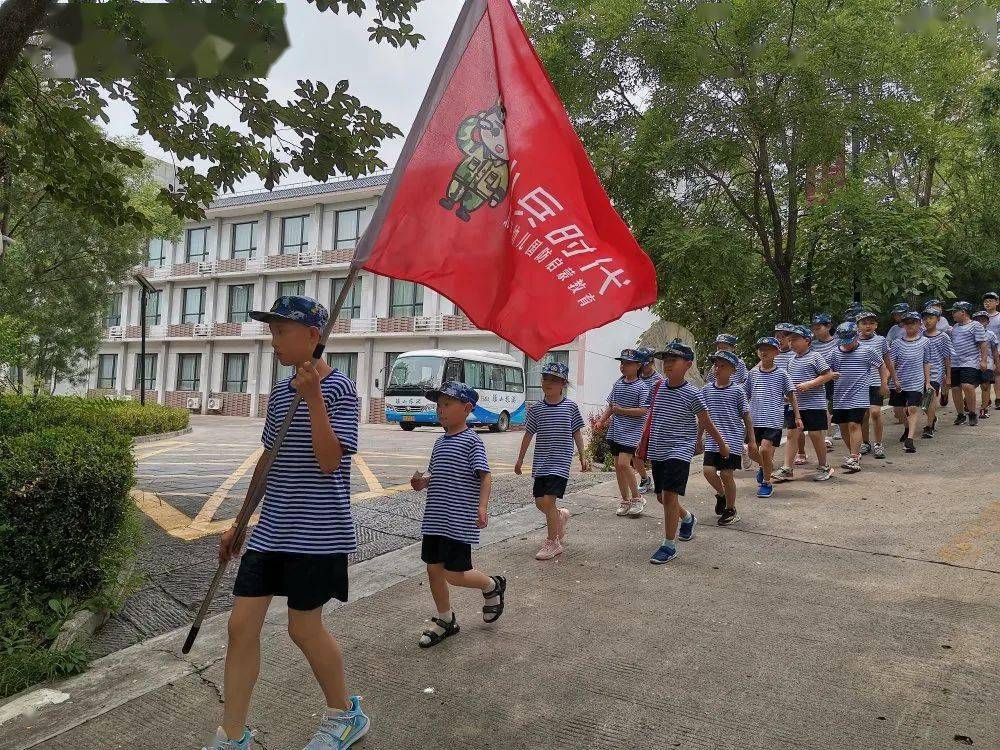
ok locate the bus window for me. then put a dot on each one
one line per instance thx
(475, 374)
(496, 378)
(515, 380)
(453, 371)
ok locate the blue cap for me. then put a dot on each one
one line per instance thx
(646, 353)
(932, 302)
(455, 389)
(961, 305)
(768, 341)
(848, 332)
(910, 316)
(991, 295)
(556, 368)
(981, 314)
(630, 355)
(725, 356)
(931, 310)
(676, 348)
(802, 331)
(899, 308)
(853, 308)
(304, 310)
(865, 314)
(786, 327)
(727, 338)
(824, 318)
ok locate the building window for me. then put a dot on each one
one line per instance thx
(240, 303)
(291, 288)
(348, 228)
(245, 240)
(113, 316)
(157, 257)
(194, 305)
(149, 375)
(279, 371)
(107, 370)
(197, 245)
(234, 372)
(294, 235)
(390, 360)
(153, 307)
(352, 303)
(406, 299)
(188, 372)
(346, 362)
(535, 372)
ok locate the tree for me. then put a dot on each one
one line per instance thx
(738, 103)
(333, 131)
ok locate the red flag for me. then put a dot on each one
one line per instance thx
(494, 203)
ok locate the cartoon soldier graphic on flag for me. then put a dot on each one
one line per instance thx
(483, 175)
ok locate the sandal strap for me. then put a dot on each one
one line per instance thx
(442, 623)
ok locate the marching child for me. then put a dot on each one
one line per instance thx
(991, 301)
(300, 546)
(823, 343)
(627, 406)
(970, 342)
(867, 325)
(988, 376)
(458, 484)
(785, 353)
(726, 342)
(676, 414)
(941, 352)
(650, 377)
(910, 369)
(768, 386)
(854, 364)
(730, 413)
(558, 425)
(809, 373)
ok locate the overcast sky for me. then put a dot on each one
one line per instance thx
(329, 47)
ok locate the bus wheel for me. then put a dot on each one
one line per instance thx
(407, 426)
(503, 424)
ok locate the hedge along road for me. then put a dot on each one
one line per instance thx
(190, 488)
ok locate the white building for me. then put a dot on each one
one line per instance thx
(252, 248)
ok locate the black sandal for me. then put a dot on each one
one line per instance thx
(450, 628)
(499, 586)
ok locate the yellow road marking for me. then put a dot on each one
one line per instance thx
(219, 495)
(143, 454)
(374, 485)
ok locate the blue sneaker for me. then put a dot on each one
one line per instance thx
(686, 530)
(221, 742)
(342, 730)
(760, 475)
(765, 490)
(663, 555)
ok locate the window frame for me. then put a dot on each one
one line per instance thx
(114, 310)
(150, 371)
(412, 305)
(302, 246)
(353, 300)
(300, 293)
(229, 303)
(157, 295)
(184, 304)
(347, 243)
(101, 378)
(241, 384)
(250, 251)
(188, 256)
(352, 359)
(161, 260)
(183, 357)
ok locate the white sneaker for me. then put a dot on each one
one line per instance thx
(836, 433)
(746, 463)
(564, 516)
(624, 507)
(646, 485)
(846, 463)
(829, 442)
(638, 506)
(852, 465)
(549, 550)
(822, 474)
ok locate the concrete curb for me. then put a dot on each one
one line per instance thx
(126, 675)
(161, 436)
(85, 623)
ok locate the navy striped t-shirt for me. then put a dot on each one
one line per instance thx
(651, 380)
(994, 324)
(909, 358)
(850, 390)
(966, 339)
(803, 369)
(824, 348)
(726, 406)
(304, 509)
(767, 390)
(453, 493)
(628, 430)
(781, 359)
(553, 426)
(940, 347)
(673, 429)
(879, 344)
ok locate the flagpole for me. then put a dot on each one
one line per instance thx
(255, 493)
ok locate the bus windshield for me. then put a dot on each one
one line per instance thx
(416, 372)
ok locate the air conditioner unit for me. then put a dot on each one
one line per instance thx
(116, 332)
(205, 266)
(308, 258)
(194, 403)
(215, 404)
(202, 329)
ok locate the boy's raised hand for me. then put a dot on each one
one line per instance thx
(306, 381)
(419, 481)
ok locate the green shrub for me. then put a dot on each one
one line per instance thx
(597, 446)
(20, 414)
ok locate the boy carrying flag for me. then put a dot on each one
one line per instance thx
(910, 370)
(650, 377)
(768, 387)
(854, 364)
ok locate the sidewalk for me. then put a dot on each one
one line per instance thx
(860, 613)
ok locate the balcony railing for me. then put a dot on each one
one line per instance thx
(310, 259)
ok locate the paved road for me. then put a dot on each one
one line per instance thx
(190, 487)
(859, 613)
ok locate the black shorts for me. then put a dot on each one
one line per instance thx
(549, 484)
(875, 397)
(965, 376)
(617, 448)
(309, 581)
(905, 398)
(440, 550)
(845, 416)
(812, 419)
(987, 377)
(671, 475)
(772, 435)
(730, 463)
